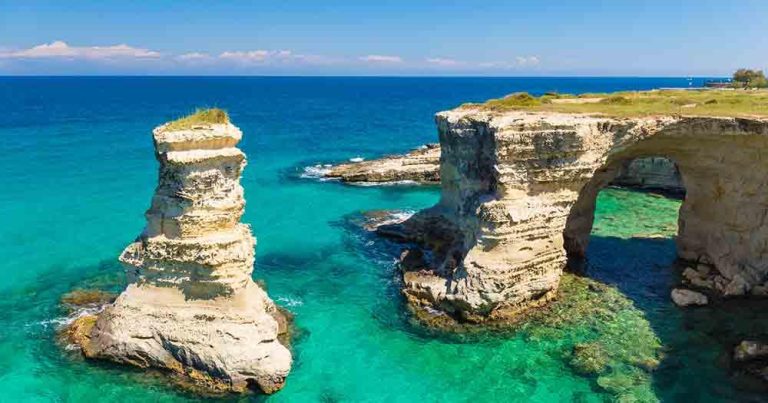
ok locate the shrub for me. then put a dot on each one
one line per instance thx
(747, 78)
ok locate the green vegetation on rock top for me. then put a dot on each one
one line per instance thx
(200, 117)
(698, 102)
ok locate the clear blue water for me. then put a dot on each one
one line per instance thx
(77, 172)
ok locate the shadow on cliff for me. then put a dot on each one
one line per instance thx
(697, 341)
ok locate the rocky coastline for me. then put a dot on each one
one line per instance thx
(422, 166)
(191, 308)
(419, 166)
(518, 193)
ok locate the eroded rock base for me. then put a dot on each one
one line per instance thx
(432, 278)
(156, 337)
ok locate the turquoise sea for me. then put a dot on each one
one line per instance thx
(77, 172)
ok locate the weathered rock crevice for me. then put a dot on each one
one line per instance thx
(519, 189)
(192, 307)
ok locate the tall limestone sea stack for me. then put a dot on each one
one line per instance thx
(192, 307)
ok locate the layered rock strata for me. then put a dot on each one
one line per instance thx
(652, 173)
(519, 190)
(192, 307)
(421, 165)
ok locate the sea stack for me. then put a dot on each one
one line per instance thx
(192, 307)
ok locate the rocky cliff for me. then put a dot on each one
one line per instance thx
(652, 173)
(519, 190)
(192, 307)
(423, 166)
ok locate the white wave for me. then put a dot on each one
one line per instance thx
(64, 321)
(403, 214)
(394, 217)
(290, 301)
(357, 159)
(392, 183)
(316, 171)
(433, 311)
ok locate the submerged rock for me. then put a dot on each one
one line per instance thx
(589, 358)
(191, 307)
(751, 359)
(750, 350)
(86, 298)
(618, 348)
(684, 297)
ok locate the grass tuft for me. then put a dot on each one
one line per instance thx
(200, 117)
(616, 100)
(520, 99)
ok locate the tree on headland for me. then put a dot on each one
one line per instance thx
(746, 78)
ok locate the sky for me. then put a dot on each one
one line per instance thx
(384, 37)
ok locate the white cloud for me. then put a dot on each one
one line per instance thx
(520, 61)
(381, 59)
(271, 57)
(266, 56)
(527, 60)
(60, 49)
(193, 57)
(247, 56)
(443, 61)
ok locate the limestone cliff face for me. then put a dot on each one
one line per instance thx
(192, 307)
(423, 166)
(519, 190)
(654, 173)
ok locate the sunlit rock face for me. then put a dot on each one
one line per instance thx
(422, 166)
(192, 307)
(519, 191)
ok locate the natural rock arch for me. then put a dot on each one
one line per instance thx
(518, 189)
(578, 226)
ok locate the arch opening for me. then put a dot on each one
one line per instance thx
(658, 174)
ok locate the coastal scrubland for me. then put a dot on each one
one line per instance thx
(696, 102)
(201, 116)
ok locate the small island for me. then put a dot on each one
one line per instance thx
(192, 308)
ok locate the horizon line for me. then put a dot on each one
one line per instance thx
(342, 76)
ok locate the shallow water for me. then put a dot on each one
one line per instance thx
(78, 172)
